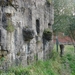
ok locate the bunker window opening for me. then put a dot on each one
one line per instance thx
(37, 26)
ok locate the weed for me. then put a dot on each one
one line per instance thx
(10, 27)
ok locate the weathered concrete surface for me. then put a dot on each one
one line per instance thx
(34, 14)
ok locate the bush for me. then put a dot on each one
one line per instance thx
(19, 70)
(47, 34)
(48, 2)
(10, 27)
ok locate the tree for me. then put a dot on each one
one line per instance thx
(63, 11)
(70, 30)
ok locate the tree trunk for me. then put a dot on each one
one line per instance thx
(74, 49)
(61, 50)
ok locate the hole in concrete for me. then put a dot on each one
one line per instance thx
(36, 56)
(49, 24)
(37, 26)
(28, 34)
(28, 60)
(28, 48)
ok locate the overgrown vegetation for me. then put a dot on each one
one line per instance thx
(49, 1)
(47, 34)
(55, 66)
(10, 26)
(69, 59)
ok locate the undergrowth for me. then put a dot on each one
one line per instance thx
(54, 66)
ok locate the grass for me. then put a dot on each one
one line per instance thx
(70, 58)
(54, 66)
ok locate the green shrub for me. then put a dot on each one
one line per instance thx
(19, 70)
(10, 26)
(48, 2)
(47, 34)
(18, 53)
(7, 74)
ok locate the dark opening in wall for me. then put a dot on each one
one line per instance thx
(28, 48)
(36, 56)
(27, 60)
(49, 24)
(48, 3)
(37, 26)
(30, 14)
(28, 34)
(36, 38)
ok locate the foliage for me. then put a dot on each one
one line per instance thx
(10, 27)
(19, 70)
(48, 2)
(18, 53)
(47, 34)
(63, 9)
(69, 58)
(54, 66)
(70, 30)
(64, 18)
(7, 74)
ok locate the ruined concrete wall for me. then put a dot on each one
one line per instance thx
(25, 17)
